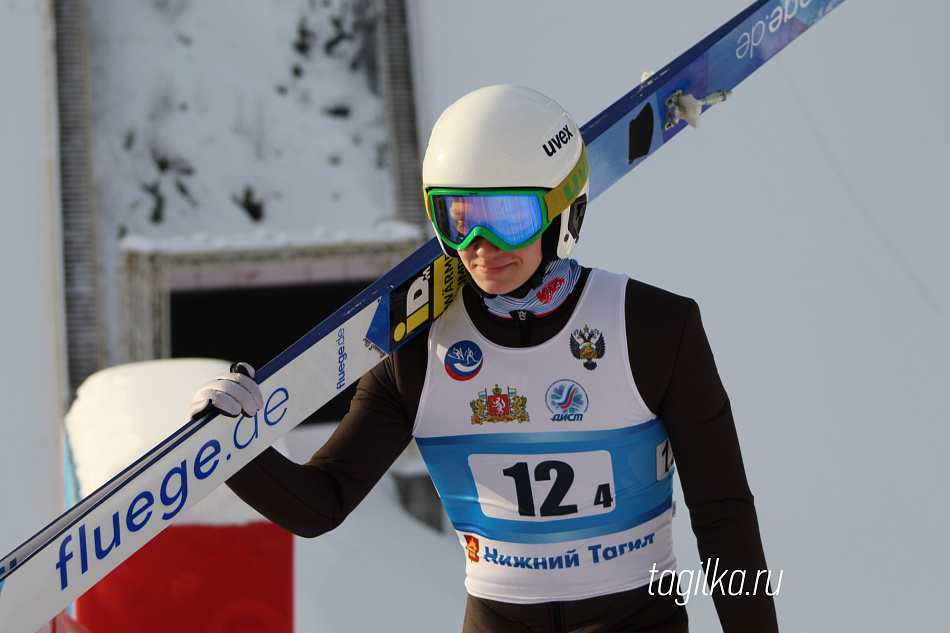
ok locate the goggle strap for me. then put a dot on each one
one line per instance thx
(561, 196)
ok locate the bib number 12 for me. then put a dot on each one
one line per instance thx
(552, 505)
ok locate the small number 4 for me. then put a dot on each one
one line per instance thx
(603, 496)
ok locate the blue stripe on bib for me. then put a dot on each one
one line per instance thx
(550, 487)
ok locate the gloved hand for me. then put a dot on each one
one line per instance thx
(231, 394)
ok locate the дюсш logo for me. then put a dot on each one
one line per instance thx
(567, 400)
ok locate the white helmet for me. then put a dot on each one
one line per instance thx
(507, 137)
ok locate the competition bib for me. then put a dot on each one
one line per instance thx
(555, 474)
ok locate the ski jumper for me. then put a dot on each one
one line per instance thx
(673, 371)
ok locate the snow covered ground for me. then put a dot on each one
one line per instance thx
(808, 218)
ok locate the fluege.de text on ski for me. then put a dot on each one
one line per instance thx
(90, 544)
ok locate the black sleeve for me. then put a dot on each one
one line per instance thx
(675, 371)
(313, 498)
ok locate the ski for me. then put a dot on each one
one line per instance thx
(65, 559)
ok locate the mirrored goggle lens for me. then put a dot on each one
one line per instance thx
(513, 218)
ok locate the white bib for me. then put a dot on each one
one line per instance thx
(554, 473)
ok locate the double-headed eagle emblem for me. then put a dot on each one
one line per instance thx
(587, 345)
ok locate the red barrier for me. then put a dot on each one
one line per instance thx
(207, 578)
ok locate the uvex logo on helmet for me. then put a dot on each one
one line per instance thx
(558, 141)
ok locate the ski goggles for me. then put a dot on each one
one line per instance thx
(510, 219)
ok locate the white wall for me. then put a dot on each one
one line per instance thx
(32, 362)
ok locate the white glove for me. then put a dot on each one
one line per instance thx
(231, 394)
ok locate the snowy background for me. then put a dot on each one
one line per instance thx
(807, 217)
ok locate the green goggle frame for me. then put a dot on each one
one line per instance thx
(509, 218)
